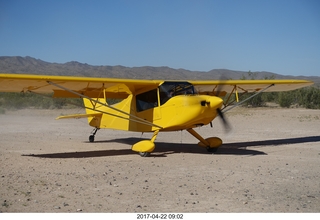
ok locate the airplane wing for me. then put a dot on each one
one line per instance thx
(64, 86)
(246, 86)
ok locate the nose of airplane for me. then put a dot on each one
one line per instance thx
(214, 102)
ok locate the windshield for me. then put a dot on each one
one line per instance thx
(170, 89)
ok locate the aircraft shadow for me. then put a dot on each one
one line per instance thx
(163, 149)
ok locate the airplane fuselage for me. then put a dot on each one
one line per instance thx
(178, 113)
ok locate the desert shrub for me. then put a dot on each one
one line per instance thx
(308, 97)
(2, 110)
(285, 99)
(27, 100)
(259, 100)
(113, 101)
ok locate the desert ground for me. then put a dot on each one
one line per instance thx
(270, 162)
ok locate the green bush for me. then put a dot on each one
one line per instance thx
(2, 110)
(28, 100)
(285, 99)
(308, 97)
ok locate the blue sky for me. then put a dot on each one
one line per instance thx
(280, 36)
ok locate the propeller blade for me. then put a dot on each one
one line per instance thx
(219, 88)
(226, 124)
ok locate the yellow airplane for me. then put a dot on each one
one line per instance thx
(148, 105)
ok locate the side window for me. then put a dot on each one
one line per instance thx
(147, 100)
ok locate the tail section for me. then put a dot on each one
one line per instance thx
(110, 115)
(94, 117)
(102, 115)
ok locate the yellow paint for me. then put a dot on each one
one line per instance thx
(113, 119)
(214, 142)
(80, 116)
(143, 146)
(201, 139)
(121, 87)
(180, 112)
(237, 96)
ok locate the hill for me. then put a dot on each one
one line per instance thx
(18, 64)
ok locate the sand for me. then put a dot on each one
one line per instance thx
(270, 162)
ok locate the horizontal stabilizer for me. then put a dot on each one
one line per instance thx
(80, 116)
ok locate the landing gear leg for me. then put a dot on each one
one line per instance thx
(93, 133)
(211, 144)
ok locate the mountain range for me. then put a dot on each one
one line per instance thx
(18, 64)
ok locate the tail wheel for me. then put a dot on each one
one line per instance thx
(91, 138)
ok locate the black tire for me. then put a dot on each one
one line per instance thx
(212, 150)
(144, 154)
(91, 138)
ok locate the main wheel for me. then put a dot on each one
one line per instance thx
(144, 154)
(212, 149)
(91, 138)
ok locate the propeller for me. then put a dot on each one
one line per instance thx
(225, 122)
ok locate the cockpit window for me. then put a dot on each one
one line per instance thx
(147, 100)
(170, 89)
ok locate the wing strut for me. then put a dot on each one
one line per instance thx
(239, 103)
(136, 119)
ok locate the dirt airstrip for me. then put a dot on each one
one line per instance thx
(270, 162)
